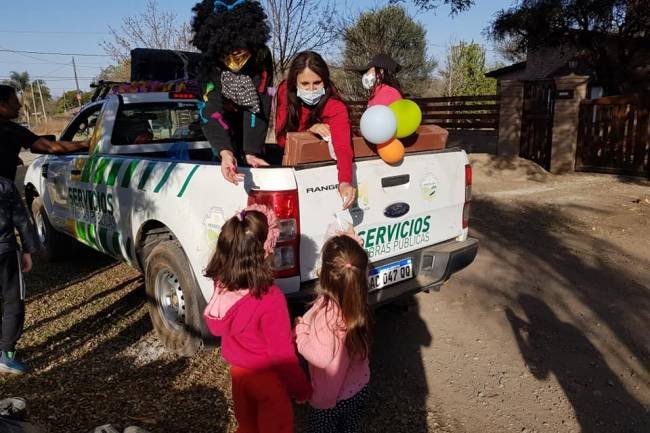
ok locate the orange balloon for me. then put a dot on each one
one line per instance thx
(392, 152)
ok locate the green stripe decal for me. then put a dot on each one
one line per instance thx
(101, 169)
(115, 169)
(81, 232)
(165, 177)
(146, 175)
(187, 181)
(92, 237)
(103, 240)
(89, 167)
(128, 174)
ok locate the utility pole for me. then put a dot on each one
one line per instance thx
(76, 80)
(34, 100)
(38, 83)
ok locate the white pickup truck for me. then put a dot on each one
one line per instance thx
(150, 194)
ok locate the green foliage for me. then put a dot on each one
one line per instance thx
(69, 101)
(607, 34)
(120, 72)
(392, 31)
(464, 74)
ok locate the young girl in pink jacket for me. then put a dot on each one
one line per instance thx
(250, 315)
(334, 338)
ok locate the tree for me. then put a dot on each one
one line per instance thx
(69, 101)
(120, 72)
(392, 31)
(152, 28)
(608, 35)
(464, 73)
(299, 25)
(456, 5)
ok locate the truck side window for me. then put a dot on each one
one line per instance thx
(83, 126)
(157, 123)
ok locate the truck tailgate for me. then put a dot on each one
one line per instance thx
(399, 208)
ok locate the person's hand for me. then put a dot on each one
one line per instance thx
(351, 233)
(321, 129)
(229, 167)
(255, 162)
(348, 194)
(26, 264)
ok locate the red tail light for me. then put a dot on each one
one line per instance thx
(287, 250)
(182, 95)
(468, 195)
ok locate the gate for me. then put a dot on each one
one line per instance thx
(614, 136)
(537, 122)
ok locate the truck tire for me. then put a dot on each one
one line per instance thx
(172, 298)
(54, 245)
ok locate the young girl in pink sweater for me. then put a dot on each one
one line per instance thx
(334, 338)
(380, 78)
(250, 315)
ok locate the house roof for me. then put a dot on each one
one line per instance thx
(506, 70)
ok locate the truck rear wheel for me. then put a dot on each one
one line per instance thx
(53, 244)
(172, 298)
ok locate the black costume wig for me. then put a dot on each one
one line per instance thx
(222, 26)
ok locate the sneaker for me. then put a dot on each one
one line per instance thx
(9, 365)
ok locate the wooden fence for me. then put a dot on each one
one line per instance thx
(614, 136)
(454, 112)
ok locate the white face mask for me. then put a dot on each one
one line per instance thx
(311, 98)
(368, 80)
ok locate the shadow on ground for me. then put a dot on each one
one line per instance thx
(560, 267)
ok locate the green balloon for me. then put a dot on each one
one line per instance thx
(409, 117)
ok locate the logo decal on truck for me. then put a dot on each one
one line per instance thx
(314, 189)
(391, 238)
(429, 187)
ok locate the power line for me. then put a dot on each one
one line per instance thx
(53, 54)
(29, 32)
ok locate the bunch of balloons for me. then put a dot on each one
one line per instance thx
(384, 125)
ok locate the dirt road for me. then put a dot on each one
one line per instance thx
(546, 332)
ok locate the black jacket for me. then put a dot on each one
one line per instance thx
(13, 216)
(246, 132)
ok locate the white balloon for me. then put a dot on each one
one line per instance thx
(378, 124)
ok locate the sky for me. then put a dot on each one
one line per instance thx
(78, 27)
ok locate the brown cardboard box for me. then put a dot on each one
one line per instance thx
(305, 147)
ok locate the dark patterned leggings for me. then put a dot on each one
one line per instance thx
(345, 417)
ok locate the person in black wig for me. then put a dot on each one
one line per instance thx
(236, 75)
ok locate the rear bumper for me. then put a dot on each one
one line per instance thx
(432, 265)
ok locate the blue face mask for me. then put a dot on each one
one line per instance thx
(311, 98)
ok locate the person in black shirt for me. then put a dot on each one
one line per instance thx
(14, 137)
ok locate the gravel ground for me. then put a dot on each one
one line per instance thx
(545, 332)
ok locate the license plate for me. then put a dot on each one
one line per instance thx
(390, 274)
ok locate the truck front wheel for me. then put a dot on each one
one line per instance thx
(172, 298)
(53, 244)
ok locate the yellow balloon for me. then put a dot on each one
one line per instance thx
(392, 152)
(408, 115)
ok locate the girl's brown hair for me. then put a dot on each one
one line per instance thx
(302, 61)
(344, 282)
(240, 261)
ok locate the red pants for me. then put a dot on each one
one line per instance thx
(262, 404)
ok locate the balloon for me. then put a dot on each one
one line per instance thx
(391, 152)
(378, 124)
(408, 115)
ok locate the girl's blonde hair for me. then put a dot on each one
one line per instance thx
(344, 282)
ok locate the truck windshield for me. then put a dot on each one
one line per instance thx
(157, 123)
